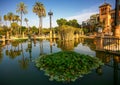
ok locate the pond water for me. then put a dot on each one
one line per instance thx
(17, 65)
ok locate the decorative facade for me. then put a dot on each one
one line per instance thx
(105, 17)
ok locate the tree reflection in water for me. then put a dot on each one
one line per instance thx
(70, 45)
(26, 49)
(24, 62)
(18, 50)
(14, 50)
(51, 43)
(29, 49)
(13, 53)
(41, 47)
(66, 45)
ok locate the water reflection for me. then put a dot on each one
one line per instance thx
(112, 61)
(13, 53)
(19, 55)
(24, 62)
(51, 43)
(34, 41)
(66, 45)
(41, 47)
(14, 49)
(17, 48)
(70, 45)
(1, 53)
(29, 49)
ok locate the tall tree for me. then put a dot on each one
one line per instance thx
(22, 9)
(73, 23)
(6, 19)
(61, 22)
(40, 10)
(17, 18)
(14, 27)
(10, 16)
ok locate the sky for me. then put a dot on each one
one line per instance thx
(67, 9)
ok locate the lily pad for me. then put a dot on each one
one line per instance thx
(66, 66)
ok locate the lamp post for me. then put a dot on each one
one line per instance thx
(50, 13)
(117, 26)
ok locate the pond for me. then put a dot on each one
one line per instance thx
(17, 66)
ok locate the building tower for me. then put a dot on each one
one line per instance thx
(105, 17)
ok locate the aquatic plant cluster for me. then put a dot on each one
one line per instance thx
(66, 66)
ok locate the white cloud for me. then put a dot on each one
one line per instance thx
(84, 14)
(81, 17)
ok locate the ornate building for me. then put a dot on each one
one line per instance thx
(105, 20)
(105, 16)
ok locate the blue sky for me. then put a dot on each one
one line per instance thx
(68, 9)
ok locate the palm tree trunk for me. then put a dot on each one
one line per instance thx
(21, 23)
(40, 26)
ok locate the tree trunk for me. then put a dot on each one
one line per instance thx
(40, 26)
(21, 23)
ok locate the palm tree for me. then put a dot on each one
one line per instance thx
(5, 19)
(17, 18)
(40, 10)
(10, 16)
(26, 20)
(22, 9)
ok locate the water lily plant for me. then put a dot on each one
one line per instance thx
(66, 66)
